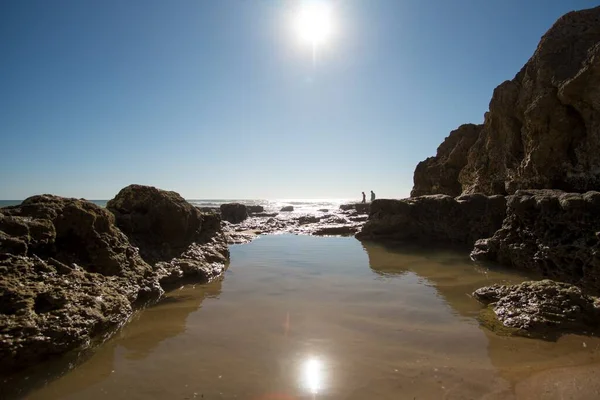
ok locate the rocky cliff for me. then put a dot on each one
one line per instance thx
(552, 233)
(439, 174)
(542, 129)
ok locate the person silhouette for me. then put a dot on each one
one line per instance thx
(372, 195)
(364, 197)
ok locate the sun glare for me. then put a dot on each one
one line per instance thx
(314, 23)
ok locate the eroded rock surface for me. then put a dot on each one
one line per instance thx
(439, 174)
(234, 212)
(174, 236)
(73, 277)
(542, 130)
(69, 275)
(540, 308)
(552, 233)
(436, 218)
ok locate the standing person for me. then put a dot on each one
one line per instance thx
(372, 195)
(364, 197)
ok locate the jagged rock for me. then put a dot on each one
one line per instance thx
(255, 209)
(171, 233)
(234, 212)
(161, 223)
(550, 232)
(69, 275)
(436, 218)
(542, 130)
(74, 277)
(287, 208)
(539, 308)
(439, 174)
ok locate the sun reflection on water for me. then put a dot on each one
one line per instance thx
(312, 375)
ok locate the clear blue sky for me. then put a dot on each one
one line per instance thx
(218, 99)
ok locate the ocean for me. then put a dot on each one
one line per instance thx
(304, 317)
(301, 206)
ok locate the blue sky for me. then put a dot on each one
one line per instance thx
(219, 99)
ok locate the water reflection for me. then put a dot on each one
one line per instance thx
(135, 341)
(374, 323)
(312, 375)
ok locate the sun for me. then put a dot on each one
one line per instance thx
(314, 23)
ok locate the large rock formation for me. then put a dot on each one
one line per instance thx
(436, 218)
(69, 275)
(543, 127)
(173, 235)
(552, 233)
(234, 212)
(439, 174)
(544, 309)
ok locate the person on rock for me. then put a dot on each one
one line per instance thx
(372, 195)
(364, 197)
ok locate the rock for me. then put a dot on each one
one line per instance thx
(214, 210)
(173, 235)
(436, 218)
(359, 218)
(544, 309)
(265, 215)
(75, 277)
(323, 210)
(69, 276)
(234, 212)
(551, 233)
(542, 130)
(287, 208)
(308, 219)
(255, 209)
(439, 174)
(336, 230)
(361, 208)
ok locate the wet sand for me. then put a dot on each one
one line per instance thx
(299, 317)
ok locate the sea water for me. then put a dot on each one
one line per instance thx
(302, 317)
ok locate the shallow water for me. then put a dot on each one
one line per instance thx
(301, 317)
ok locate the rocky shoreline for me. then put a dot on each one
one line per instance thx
(521, 189)
(71, 272)
(518, 190)
(69, 275)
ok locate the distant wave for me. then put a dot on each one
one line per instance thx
(301, 206)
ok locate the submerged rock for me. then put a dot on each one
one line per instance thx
(539, 308)
(552, 233)
(436, 218)
(234, 212)
(287, 208)
(542, 130)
